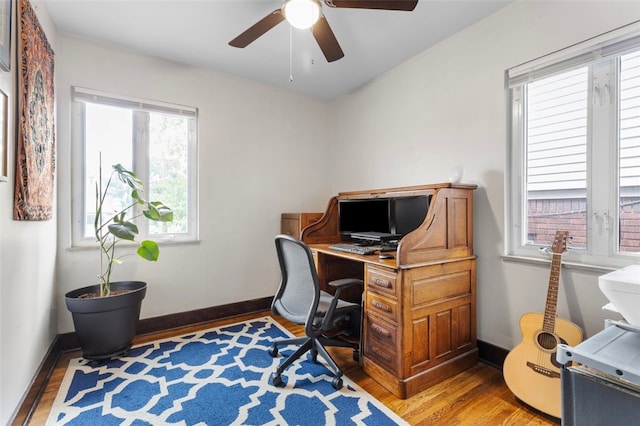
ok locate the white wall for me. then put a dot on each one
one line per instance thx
(27, 262)
(262, 152)
(447, 107)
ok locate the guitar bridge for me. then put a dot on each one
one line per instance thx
(544, 371)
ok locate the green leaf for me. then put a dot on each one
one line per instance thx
(128, 177)
(158, 211)
(124, 230)
(149, 250)
(137, 197)
(119, 218)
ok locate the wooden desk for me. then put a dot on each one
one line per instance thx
(419, 308)
(293, 223)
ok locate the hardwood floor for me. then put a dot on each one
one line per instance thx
(477, 396)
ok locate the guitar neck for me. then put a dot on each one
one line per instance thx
(549, 322)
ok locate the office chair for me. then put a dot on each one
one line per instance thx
(300, 300)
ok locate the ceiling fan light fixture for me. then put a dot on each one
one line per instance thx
(302, 14)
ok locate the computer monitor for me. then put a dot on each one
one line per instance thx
(370, 215)
(407, 213)
(382, 215)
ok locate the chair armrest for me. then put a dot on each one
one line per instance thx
(338, 285)
(343, 283)
(346, 283)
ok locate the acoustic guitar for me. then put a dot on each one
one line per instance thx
(531, 370)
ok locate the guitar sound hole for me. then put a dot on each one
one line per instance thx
(547, 341)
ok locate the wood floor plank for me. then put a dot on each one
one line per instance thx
(478, 396)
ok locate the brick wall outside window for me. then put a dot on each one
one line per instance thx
(546, 216)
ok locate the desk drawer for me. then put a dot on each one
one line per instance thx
(381, 343)
(381, 281)
(382, 306)
(380, 330)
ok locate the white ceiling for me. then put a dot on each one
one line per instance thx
(196, 32)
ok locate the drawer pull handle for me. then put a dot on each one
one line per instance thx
(381, 331)
(381, 306)
(381, 354)
(382, 283)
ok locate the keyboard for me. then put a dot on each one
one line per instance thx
(352, 248)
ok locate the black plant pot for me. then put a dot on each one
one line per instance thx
(105, 326)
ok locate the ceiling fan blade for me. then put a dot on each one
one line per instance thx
(258, 29)
(406, 5)
(327, 40)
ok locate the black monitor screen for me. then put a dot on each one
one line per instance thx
(364, 216)
(409, 213)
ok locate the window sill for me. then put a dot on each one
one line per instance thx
(127, 244)
(597, 269)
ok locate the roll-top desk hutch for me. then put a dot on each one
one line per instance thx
(419, 308)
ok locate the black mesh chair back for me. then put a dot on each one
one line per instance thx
(299, 292)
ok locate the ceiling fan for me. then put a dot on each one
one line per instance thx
(305, 14)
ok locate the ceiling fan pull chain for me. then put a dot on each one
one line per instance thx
(290, 53)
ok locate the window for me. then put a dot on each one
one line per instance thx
(155, 140)
(575, 152)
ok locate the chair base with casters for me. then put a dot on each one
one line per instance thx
(314, 346)
(317, 342)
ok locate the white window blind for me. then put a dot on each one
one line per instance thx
(81, 94)
(613, 43)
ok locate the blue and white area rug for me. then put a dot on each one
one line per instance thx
(214, 377)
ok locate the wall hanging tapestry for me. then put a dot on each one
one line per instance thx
(35, 150)
(216, 377)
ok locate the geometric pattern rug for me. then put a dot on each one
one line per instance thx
(216, 377)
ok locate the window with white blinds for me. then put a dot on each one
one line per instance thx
(157, 140)
(574, 159)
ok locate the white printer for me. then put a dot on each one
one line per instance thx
(601, 376)
(622, 288)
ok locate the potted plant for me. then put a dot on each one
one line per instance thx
(105, 315)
